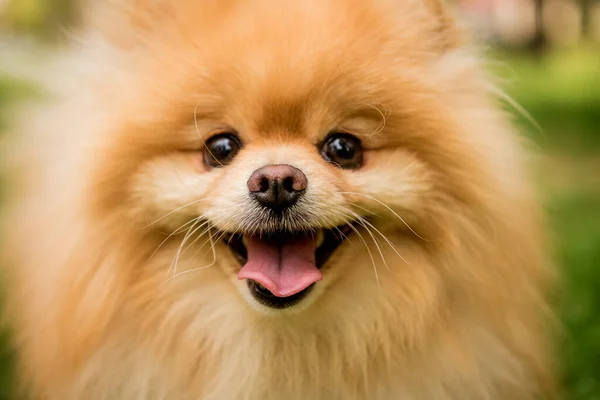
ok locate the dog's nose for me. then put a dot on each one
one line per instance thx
(277, 186)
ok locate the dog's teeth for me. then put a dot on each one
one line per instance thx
(320, 238)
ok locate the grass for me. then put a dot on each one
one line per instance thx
(562, 93)
(577, 220)
(10, 91)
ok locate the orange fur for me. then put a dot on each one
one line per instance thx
(450, 305)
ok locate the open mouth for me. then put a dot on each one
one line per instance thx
(281, 267)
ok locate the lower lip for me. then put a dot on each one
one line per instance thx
(267, 299)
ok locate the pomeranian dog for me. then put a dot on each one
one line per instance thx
(263, 199)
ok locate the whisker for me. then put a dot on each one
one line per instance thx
(391, 210)
(200, 235)
(201, 268)
(212, 246)
(363, 208)
(342, 234)
(382, 235)
(368, 250)
(384, 119)
(177, 231)
(193, 229)
(209, 240)
(345, 221)
(518, 108)
(178, 209)
(361, 221)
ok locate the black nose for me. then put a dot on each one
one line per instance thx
(277, 186)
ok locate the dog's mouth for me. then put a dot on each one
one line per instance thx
(282, 267)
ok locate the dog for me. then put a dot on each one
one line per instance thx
(259, 199)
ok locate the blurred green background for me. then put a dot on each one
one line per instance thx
(548, 53)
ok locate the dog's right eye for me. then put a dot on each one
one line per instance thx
(343, 150)
(221, 149)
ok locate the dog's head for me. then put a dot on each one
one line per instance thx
(293, 146)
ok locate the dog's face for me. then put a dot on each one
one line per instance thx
(292, 146)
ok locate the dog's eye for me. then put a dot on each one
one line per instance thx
(342, 149)
(221, 149)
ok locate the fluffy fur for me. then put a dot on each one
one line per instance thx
(439, 295)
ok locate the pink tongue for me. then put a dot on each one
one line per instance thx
(283, 268)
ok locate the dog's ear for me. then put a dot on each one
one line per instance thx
(126, 22)
(450, 34)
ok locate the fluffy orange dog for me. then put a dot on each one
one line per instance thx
(267, 199)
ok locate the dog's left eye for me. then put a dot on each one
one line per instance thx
(342, 149)
(221, 149)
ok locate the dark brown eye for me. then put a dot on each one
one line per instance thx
(221, 149)
(342, 149)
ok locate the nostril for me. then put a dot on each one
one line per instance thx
(288, 184)
(264, 185)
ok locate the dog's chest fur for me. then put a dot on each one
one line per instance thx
(251, 367)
